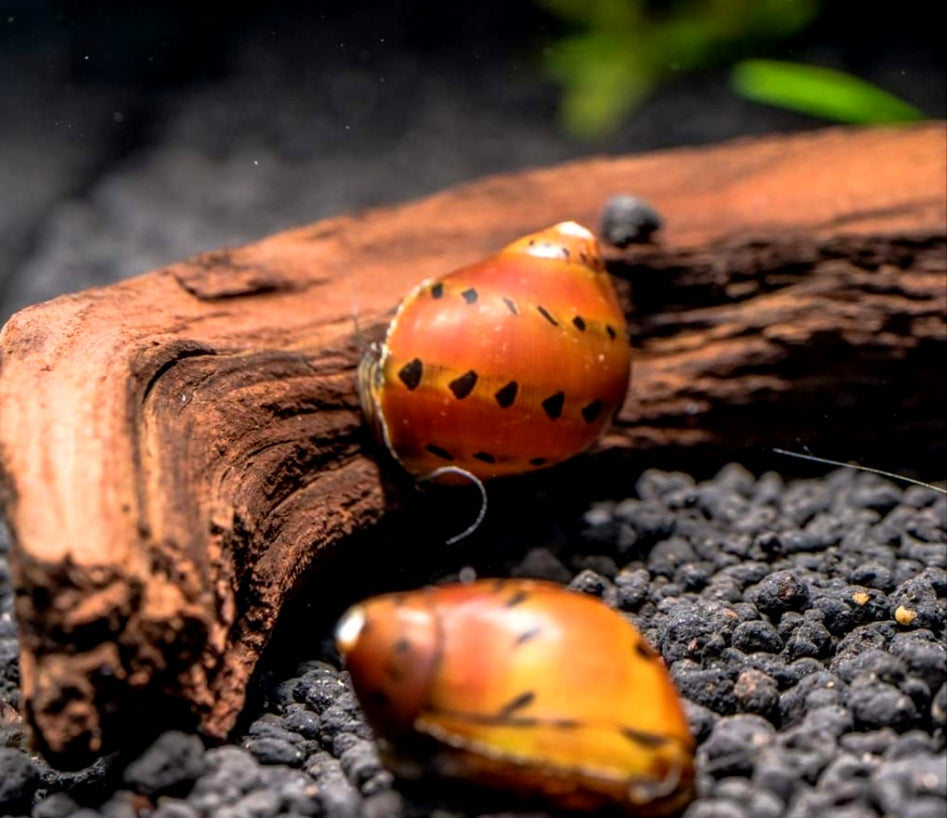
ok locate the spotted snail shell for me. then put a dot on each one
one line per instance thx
(505, 366)
(523, 686)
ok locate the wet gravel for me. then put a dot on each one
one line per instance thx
(803, 623)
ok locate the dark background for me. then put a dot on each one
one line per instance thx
(134, 134)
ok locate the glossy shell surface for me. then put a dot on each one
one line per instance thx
(504, 366)
(525, 686)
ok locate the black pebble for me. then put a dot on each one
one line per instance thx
(628, 219)
(169, 766)
(755, 692)
(57, 805)
(273, 750)
(877, 704)
(734, 744)
(360, 762)
(589, 582)
(711, 687)
(174, 808)
(700, 719)
(759, 635)
(817, 689)
(631, 588)
(336, 795)
(808, 639)
(781, 591)
(872, 575)
(18, 781)
(541, 563)
(910, 783)
(303, 721)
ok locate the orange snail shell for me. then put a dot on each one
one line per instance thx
(523, 686)
(504, 366)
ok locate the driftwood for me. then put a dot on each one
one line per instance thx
(179, 448)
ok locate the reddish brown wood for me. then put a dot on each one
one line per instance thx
(178, 448)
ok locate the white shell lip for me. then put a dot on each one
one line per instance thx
(556, 242)
(350, 628)
(574, 229)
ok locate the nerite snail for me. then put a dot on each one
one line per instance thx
(524, 686)
(508, 365)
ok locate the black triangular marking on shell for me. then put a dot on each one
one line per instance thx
(402, 645)
(485, 457)
(437, 290)
(592, 411)
(463, 386)
(611, 331)
(517, 598)
(505, 395)
(411, 373)
(526, 636)
(437, 451)
(645, 651)
(545, 314)
(643, 738)
(565, 724)
(470, 295)
(521, 701)
(511, 306)
(379, 698)
(504, 718)
(537, 461)
(579, 323)
(552, 406)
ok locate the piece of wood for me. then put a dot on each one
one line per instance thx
(177, 449)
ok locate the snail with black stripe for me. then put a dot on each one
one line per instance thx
(522, 686)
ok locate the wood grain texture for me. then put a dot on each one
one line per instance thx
(179, 448)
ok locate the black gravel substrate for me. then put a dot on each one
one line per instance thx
(803, 622)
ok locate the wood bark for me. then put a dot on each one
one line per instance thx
(179, 448)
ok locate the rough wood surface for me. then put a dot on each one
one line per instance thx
(178, 448)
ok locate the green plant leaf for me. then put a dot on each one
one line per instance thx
(819, 91)
(614, 53)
